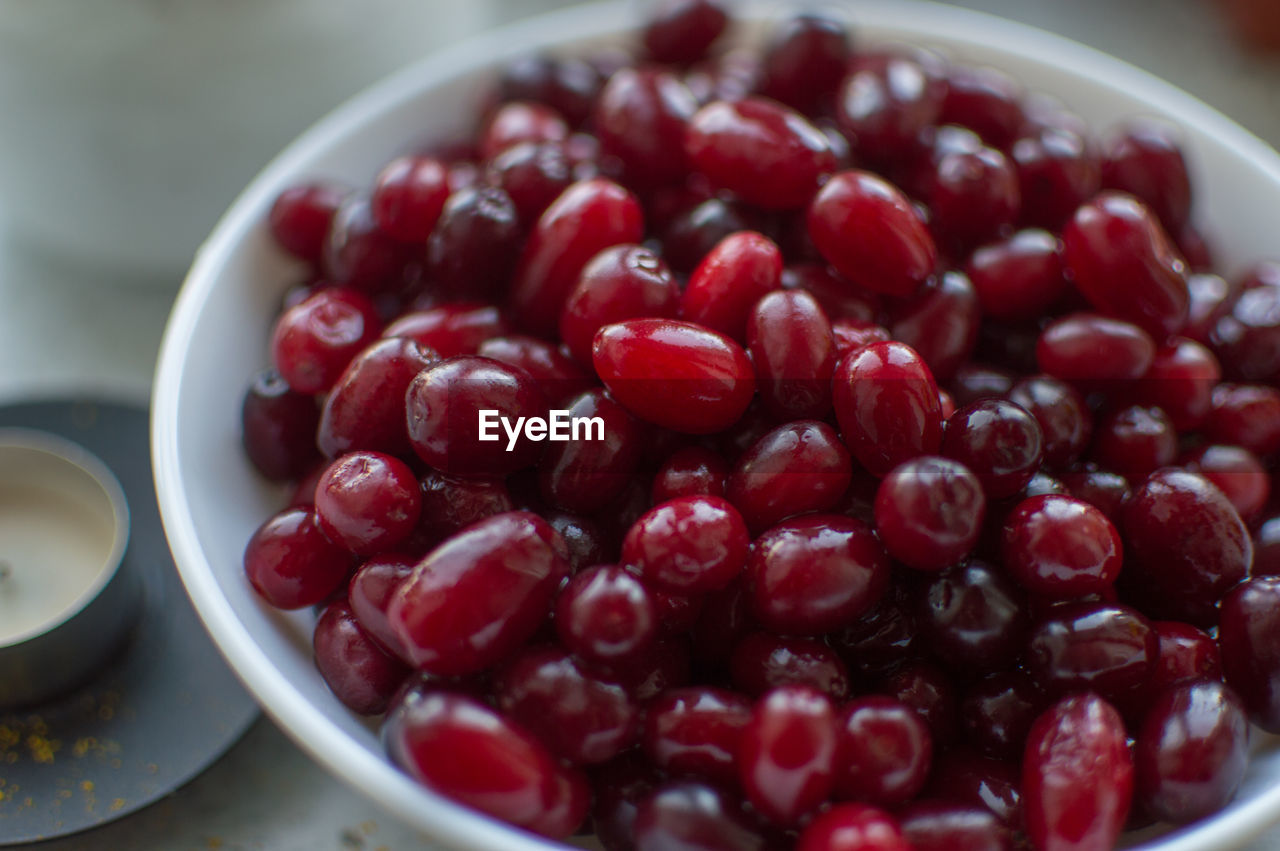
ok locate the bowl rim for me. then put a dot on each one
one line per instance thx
(372, 774)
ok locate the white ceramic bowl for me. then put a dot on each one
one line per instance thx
(211, 500)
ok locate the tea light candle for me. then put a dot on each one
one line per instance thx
(65, 600)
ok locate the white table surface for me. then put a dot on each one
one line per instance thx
(61, 330)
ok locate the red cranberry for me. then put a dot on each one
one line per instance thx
(972, 617)
(450, 503)
(580, 719)
(852, 334)
(812, 574)
(358, 253)
(640, 118)
(278, 425)
(1103, 489)
(787, 756)
(726, 285)
(676, 374)
(686, 814)
(762, 661)
(517, 122)
(291, 563)
(1057, 172)
(368, 502)
(1246, 415)
(1192, 751)
(887, 404)
(1146, 161)
(619, 283)
(313, 341)
(604, 614)
(1248, 339)
(532, 175)
(964, 776)
(997, 713)
(1018, 278)
(1247, 634)
(884, 752)
(885, 105)
(1135, 441)
(690, 544)
(1186, 654)
(794, 469)
(444, 405)
(697, 730)
(458, 328)
(1088, 348)
(986, 101)
(300, 218)
(974, 198)
(475, 243)
(480, 594)
(464, 750)
(998, 441)
(1180, 382)
(567, 84)
(1077, 775)
(839, 298)
(358, 672)
(940, 322)
(681, 31)
(369, 594)
(1061, 547)
(804, 61)
(408, 196)
(852, 827)
(1185, 545)
(366, 408)
(589, 216)
(1124, 264)
(947, 826)
(690, 472)
(869, 231)
(1237, 473)
(929, 512)
(1092, 647)
(582, 474)
(761, 151)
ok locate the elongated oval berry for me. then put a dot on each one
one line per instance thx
(937, 825)
(795, 468)
(1249, 634)
(787, 756)
(408, 197)
(640, 118)
(277, 427)
(1077, 776)
(589, 216)
(697, 730)
(1019, 278)
(760, 150)
(595, 464)
(793, 349)
(357, 670)
(1125, 265)
(726, 285)
(887, 405)
(622, 282)
(457, 328)
(291, 563)
(940, 322)
(675, 374)
(1088, 348)
(867, 229)
(370, 591)
(366, 408)
(480, 594)
(1097, 647)
(691, 544)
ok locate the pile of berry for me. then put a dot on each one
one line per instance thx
(932, 503)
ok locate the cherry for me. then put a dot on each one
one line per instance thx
(681, 31)
(1247, 634)
(675, 374)
(407, 198)
(812, 574)
(1100, 647)
(804, 61)
(1000, 442)
(582, 474)
(725, 286)
(972, 616)
(369, 594)
(697, 731)
(687, 814)
(1192, 751)
(929, 512)
(1077, 775)
(277, 425)
(1061, 547)
(869, 231)
(762, 661)
(787, 755)
(480, 594)
(476, 241)
(640, 118)
(605, 614)
(313, 341)
(1146, 161)
(884, 752)
(794, 469)
(464, 750)
(359, 672)
(368, 502)
(300, 218)
(291, 563)
(366, 408)
(688, 545)
(761, 151)
(852, 827)
(1124, 264)
(887, 404)
(690, 471)
(589, 216)
(947, 826)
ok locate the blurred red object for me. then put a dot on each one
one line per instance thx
(1255, 22)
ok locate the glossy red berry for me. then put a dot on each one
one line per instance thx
(929, 512)
(1109, 649)
(359, 673)
(697, 730)
(368, 502)
(278, 425)
(1060, 547)
(689, 814)
(940, 322)
(688, 545)
(689, 472)
(934, 825)
(681, 31)
(1247, 632)
(794, 469)
(999, 441)
(291, 563)
(366, 408)
(369, 594)
(804, 61)
(1146, 161)
(595, 465)
(725, 286)
(408, 196)
(640, 118)
(852, 827)
(787, 755)
(794, 352)
(313, 341)
(885, 752)
(762, 661)
(300, 218)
